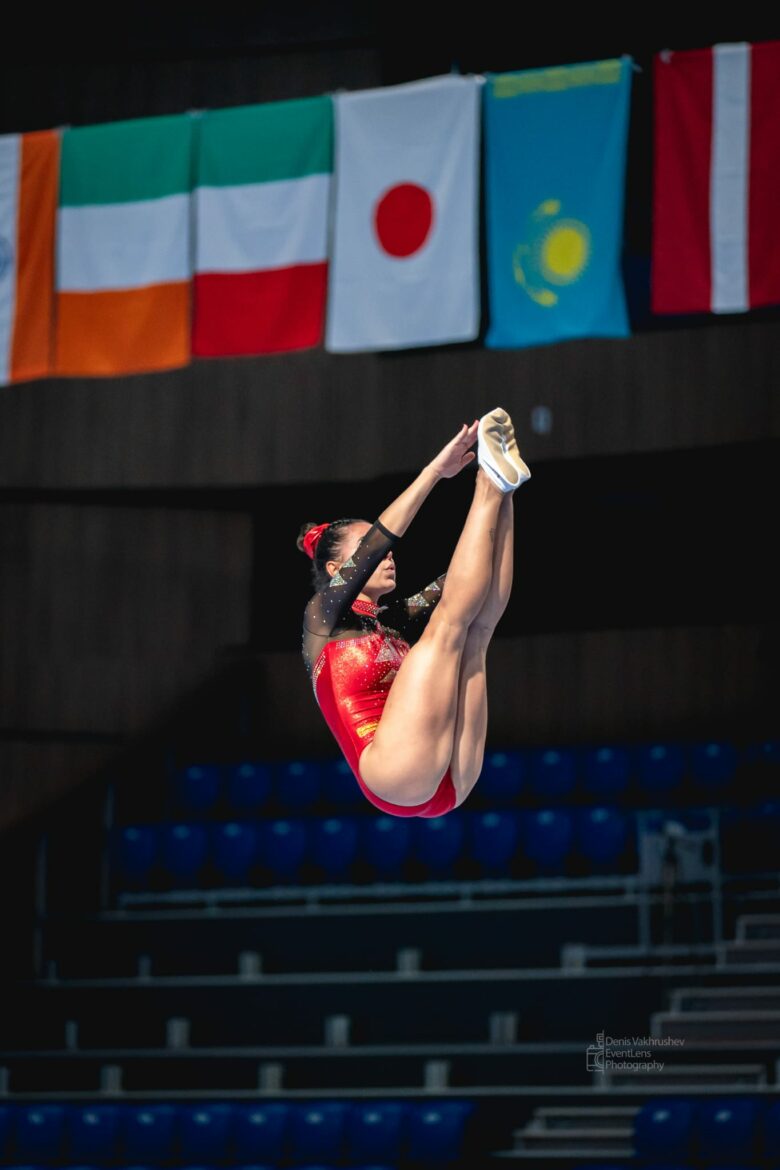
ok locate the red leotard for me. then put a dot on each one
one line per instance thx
(353, 670)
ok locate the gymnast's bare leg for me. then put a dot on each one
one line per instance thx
(429, 700)
(471, 720)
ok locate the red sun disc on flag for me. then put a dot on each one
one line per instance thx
(403, 217)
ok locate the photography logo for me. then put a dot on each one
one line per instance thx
(596, 1054)
(628, 1053)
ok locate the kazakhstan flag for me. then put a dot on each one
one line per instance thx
(555, 160)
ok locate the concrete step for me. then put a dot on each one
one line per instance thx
(758, 926)
(583, 1139)
(724, 999)
(750, 951)
(564, 1117)
(618, 1156)
(677, 1076)
(742, 1027)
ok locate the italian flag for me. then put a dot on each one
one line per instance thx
(716, 179)
(29, 178)
(123, 247)
(263, 185)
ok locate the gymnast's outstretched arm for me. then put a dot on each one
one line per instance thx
(451, 459)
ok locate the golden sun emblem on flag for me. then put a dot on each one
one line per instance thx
(558, 253)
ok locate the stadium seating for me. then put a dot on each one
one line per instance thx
(386, 843)
(606, 771)
(553, 772)
(233, 849)
(334, 843)
(663, 1130)
(249, 786)
(197, 787)
(660, 767)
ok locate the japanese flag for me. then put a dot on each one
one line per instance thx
(404, 269)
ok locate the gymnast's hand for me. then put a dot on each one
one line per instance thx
(456, 455)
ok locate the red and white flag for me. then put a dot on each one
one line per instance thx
(716, 183)
(404, 268)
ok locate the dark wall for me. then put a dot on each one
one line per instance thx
(107, 614)
(313, 417)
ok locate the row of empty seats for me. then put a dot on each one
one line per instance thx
(606, 772)
(592, 839)
(714, 1130)
(233, 1133)
(330, 847)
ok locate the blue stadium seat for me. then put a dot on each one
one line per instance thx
(375, 1131)
(553, 772)
(503, 775)
(6, 1131)
(282, 847)
(40, 1133)
(248, 786)
(727, 1128)
(197, 787)
(150, 1134)
(386, 843)
(601, 834)
(260, 1132)
(660, 766)
(333, 845)
(437, 842)
(772, 1131)
(547, 836)
(713, 764)
(493, 840)
(135, 850)
(765, 753)
(233, 849)
(339, 786)
(318, 1131)
(298, 783)
(184, 848)
(663, 1129)
(606, 771)
(92, 1132)
(205, 1132)
(436, 1131)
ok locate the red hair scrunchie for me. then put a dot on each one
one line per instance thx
(312, 538)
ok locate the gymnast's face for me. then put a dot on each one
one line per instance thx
(382, 580)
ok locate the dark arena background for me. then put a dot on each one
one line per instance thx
(215, 952)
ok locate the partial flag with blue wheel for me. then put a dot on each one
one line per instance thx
(555, 162)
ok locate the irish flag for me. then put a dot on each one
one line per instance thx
(716, 247)
(263, 184)
(404, 269)
(123, 247)
(29, 177)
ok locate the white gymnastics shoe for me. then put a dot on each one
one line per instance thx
(497, 451)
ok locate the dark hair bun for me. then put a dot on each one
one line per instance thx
(304, 529)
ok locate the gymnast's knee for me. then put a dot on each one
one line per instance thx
(448, 629)
(399, 788)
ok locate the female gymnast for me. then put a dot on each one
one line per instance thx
(403, 687)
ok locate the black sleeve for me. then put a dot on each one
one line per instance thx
(326, 607)
(410, 615)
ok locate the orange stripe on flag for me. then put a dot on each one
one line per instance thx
(125, 332)
(31, 355)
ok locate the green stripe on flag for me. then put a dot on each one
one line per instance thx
(121, 162)
(264, 143)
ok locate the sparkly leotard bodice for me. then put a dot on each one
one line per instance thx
(353, 655)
